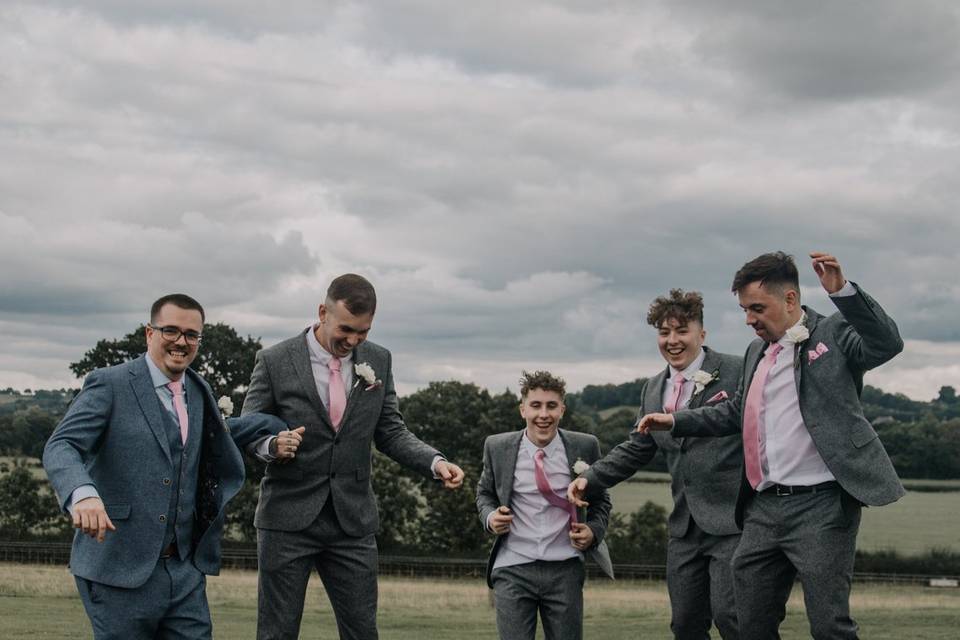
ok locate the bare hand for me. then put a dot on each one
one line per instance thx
(284, 446)
(576, 490)
(828, 270)
(655, 422)
(581, 536)
(451, 474)
(90, 517)
(500, 520)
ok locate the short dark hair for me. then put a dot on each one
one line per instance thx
(181, 300)
(680, 305)
(777, 269)
(541, 380)
(355, 291)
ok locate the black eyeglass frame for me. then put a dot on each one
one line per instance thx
(190, 336)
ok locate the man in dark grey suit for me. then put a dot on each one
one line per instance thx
(144, 464)
(319, 511)
(811, 459)
(704, 472)
(536, 563)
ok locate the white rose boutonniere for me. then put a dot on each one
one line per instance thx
(365, 372)
(797, 333)
(701, 379)
(580, 467)
(226, 406)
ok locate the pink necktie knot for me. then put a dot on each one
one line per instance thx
(176, 387)
(334, 364)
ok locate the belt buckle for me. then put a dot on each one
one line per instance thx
(784, 491)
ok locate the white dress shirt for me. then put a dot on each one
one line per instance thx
(539, 530)
(787, 450)
(688, 385)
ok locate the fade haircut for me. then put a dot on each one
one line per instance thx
(771, 270)
(541, 380)
(181, 300)
(684, 307)
(355, 291)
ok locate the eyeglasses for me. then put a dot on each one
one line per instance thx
(172, 334)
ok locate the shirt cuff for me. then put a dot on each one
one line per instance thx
(82, 492)
(846, 290)
(262, 449)
(489, 518)
(433, 466)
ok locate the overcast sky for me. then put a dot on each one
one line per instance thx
(518, 179)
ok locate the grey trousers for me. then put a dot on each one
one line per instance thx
(812, 536)
(554, 589)
(346, 565)
(172, 604)
(700, 582)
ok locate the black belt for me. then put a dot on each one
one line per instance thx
(785, 490)
(169, 551)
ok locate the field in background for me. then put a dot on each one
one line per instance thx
(916, 523)
(41, 602)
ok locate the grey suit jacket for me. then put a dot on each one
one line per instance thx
(113, 437)
(328, 463)
(859, 337)
(495, 487)
(705, 473)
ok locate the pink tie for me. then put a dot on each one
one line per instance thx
(176, 388)
(674, 403)
(752, 431)
(544, 486)
(338, 397)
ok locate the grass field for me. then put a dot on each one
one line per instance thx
(41, 602)
(916, 523)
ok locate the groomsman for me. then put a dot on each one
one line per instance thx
(704, 472)
(144, 464)
(318, 512)
(536, 563)
(811, 459)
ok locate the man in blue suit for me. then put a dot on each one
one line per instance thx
(145, 465)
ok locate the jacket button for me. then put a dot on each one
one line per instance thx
(163, 518)
(166, 482)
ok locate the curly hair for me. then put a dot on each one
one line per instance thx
(680, 305)
(541, 380)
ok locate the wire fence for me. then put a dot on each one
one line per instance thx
(235, 557)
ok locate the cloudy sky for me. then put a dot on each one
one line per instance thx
(518, 179)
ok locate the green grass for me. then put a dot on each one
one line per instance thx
(913, 525)
(41, 602)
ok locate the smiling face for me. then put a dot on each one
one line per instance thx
(770, 310)
(542, 410)
(339, 331)
(680, 342)
(173, 358)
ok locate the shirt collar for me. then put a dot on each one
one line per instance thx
(691, 369)
(318, 353)
(550, 450)
(158, 377)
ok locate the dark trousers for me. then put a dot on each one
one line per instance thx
(812, 536)
(171, 604)
(554, 589)
(347, 566)
(700, 581)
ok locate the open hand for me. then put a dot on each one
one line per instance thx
(828, 270)
(91, 517)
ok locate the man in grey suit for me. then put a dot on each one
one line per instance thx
(319, 511)
(704, 472)
(811, 459)
(536, 563)
(145, 465)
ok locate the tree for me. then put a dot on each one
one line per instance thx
(641, 538)
(225, 359)
(29, 508)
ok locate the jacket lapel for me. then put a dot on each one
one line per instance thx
(813, 318)
(358, 386)
(711, 363)
(146, 395)
(300, 357)
(506, 460)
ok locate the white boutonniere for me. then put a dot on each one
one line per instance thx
(226, 406)
(701, 379)
(799, 332)
(365, 372)
(580, 467)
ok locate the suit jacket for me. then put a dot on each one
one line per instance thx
(704, 472)
(495, 487)
(114, 437)
(859, 337)
(328, 463)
